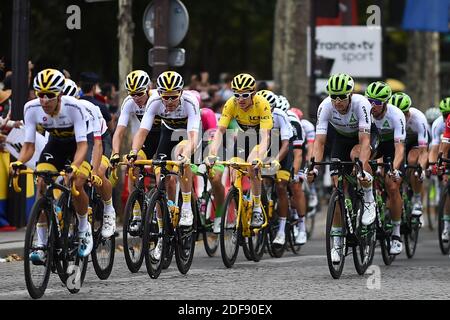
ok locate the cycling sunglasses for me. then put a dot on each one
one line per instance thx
(244, 95)
(376, 102)
(339, 96)
(170, 97)
(137, 94)
(48, 95)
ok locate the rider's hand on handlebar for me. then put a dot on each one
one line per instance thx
(210, 160)
(132, 156)
(395, 174)
(16, 166)
(312, 174)
(115, 159)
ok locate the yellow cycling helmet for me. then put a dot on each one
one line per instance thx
(243, 82)
(169, 81)
(49, 80)
(137, 81)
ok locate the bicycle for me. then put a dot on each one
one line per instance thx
(205, 207)
(235, 223)
(432, 201)
(173, 236)
(383, 220)
(103, 250)
(410, 224)
(61, 249)
(354, 234)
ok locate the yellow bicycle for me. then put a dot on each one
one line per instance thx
(235, 226)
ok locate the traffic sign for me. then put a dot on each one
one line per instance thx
(179, 22)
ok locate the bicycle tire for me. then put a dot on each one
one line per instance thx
(185, 242)
(412, 236)
(104, 249)
(167, 261)
(429, 217)
(133, 257)
(295, 248)
(210, 246)
(443, 245)
(257, 241)
(230, 231)
(364, 250)
(36, 291)
(385, 238)
(335, 269)
(152, 234)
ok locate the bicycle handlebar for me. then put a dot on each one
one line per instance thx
(18, 189)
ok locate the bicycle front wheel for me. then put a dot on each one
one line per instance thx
(412, 235)
(229, 230)
(185, 242)
(443, 204)
(37, 273)
(336, 240)
(210, 240)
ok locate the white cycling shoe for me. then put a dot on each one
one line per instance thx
(369, 213)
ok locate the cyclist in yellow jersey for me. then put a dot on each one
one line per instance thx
(253, 115)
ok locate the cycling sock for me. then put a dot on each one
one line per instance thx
(108, 205)
(41, 229)
(301, 224)
(295, 214)
(186, 200)
(336, 239)
(256, 201)
(282, 226)
(396, 229)
(82, 222)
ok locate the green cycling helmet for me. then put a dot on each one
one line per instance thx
(401, 100)
(340, 83)
(379, 90)
(444, 106)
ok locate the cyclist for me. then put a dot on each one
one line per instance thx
(283, 158)
(137, 85)
(99, 162)
(391, 125)
(416, 144)
(253, 116)
(349, 114)
(179, 112)
(64, 119)
(444, 147)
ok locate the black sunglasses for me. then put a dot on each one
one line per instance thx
(49, 95)
(137, 94)
(339, 96)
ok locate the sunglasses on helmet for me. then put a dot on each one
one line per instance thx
(48, 95)
(244, 95)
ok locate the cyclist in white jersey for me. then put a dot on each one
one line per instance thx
(391, 125)
(349, 114)
(180, 114)
(416, 145)
(64, 119)
(282, 154)
(96, 156)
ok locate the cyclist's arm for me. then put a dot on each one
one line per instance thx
(80, 154)
(213, 149)
(319, 146)
(398, 157)
(139, 139)
(117, 138)
(97, 153)
(309, 152)
(433, 154)
(144, 129)
(297, 160)
(27, 152)
(364, 155)
(264, 144)
(283, 150)
(192, 143)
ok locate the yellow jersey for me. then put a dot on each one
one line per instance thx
(258, 116)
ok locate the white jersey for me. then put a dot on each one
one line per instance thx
(185, 117)
(299, 132)
(350, 124)
(310, 131)
(69, 124)
(392, 126)
(437, 130)
(417, 124)
(130, 109)
(282, 123)
(96, 123)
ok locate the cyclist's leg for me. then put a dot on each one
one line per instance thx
(218, 191)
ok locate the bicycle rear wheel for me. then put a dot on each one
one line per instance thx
(364, 249)
(336, 203)
(443, 203)
(229, 228)
(385, 234)
(104, 249)
(210, 240)
(133, 240)
(37, 274)
(412, 235)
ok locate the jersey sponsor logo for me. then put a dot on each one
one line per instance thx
(259, 118)
(386, 124)
(48, 156)
(352, 119)
(365, 114)
(44, 118)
